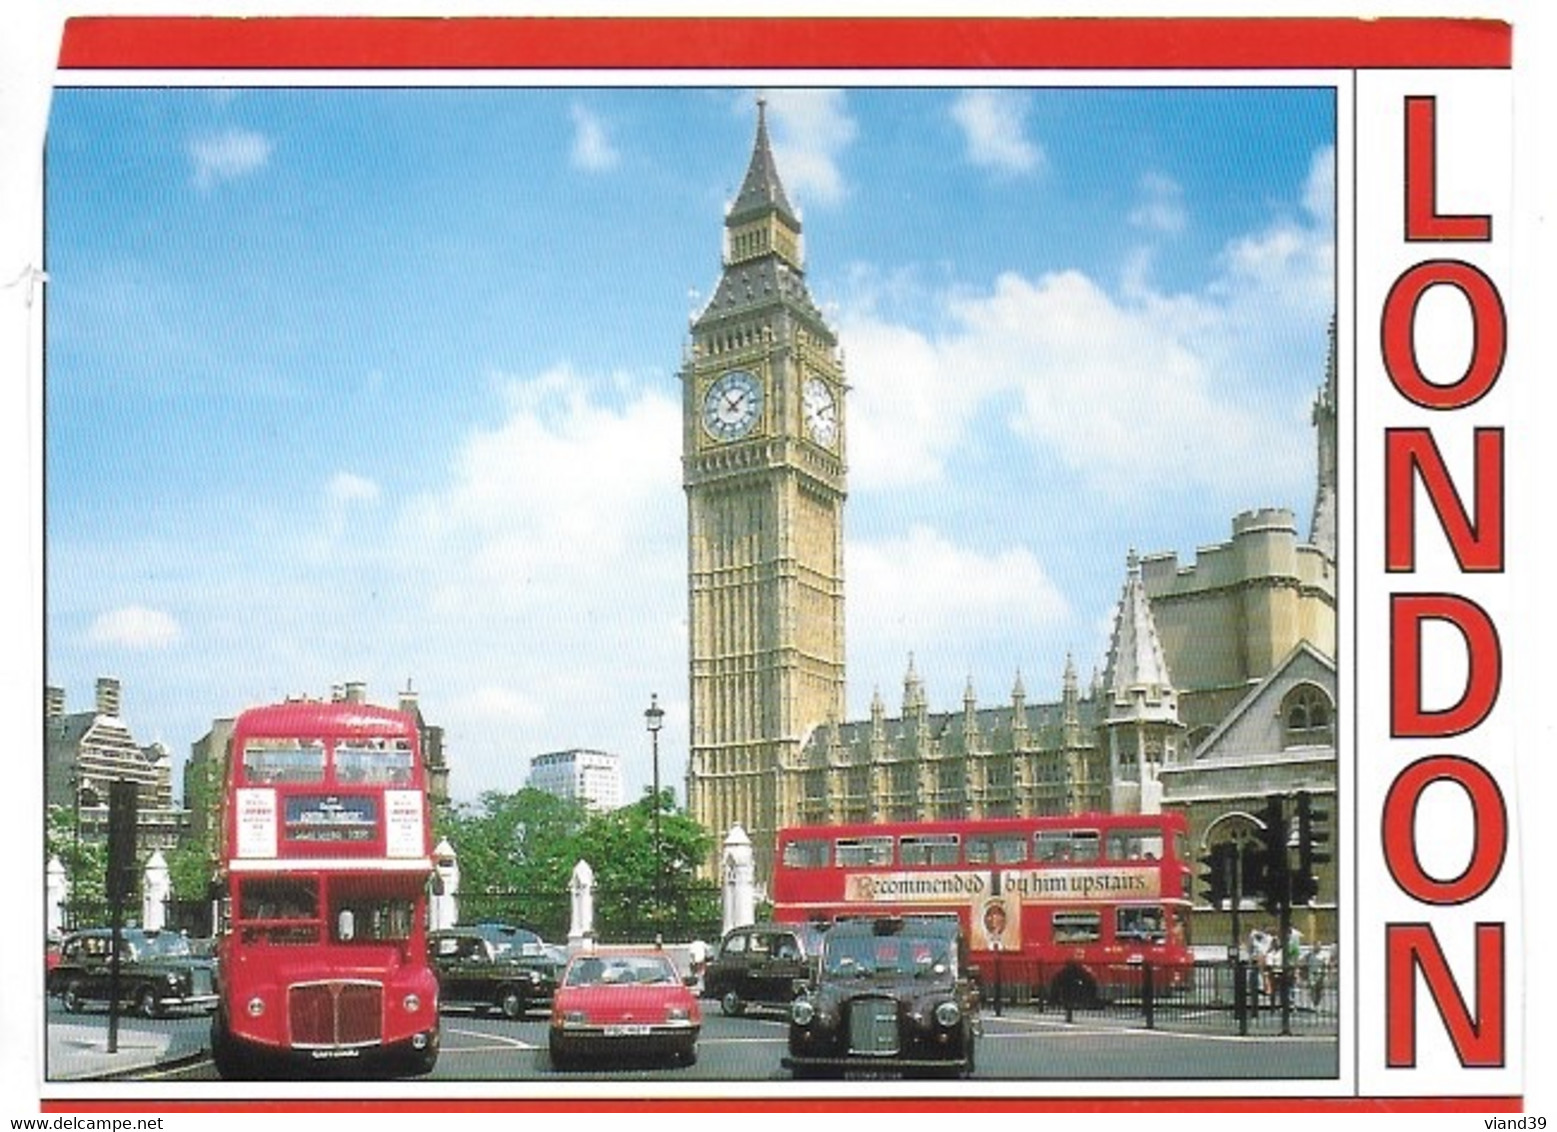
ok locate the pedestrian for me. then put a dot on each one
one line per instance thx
(1318, 971)
(697, 957)
(1291, 965)
(1261, 947)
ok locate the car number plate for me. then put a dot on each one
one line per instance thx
(627, 1030)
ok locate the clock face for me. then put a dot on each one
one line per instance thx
(732, 406)
(821, 412)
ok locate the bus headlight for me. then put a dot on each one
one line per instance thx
(256, 1006)
(947, 1014)
(801, 1012)
(412, 1003)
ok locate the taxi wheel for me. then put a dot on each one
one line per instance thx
(72, 997)
(511, 1003)
(146, 1003)
(732, 1004)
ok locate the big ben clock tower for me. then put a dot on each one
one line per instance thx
(763, 465)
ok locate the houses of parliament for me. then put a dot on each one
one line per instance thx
(1217, 690)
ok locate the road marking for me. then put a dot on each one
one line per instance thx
(515, 1043)
(160, 1073)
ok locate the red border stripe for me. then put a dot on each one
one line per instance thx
(854, 42)
(817, 1104)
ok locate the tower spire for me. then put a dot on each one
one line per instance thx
(761, 191)
(1321, 531)
(1135, 655)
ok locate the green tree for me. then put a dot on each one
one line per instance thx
(641, 891)
(192, 863)
(519, 843)
(86, 862)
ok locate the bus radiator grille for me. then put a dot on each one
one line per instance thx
(332, 1014)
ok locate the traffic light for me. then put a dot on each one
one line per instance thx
(1216, 873)
(1313, 837)
(123, 805)
(1272, 856)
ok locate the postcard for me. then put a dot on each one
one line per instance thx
(711, 562)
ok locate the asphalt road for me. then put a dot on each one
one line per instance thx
(1019, 1046)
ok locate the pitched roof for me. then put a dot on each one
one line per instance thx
(761, 190)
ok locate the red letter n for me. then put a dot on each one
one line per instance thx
(1478, 545)
(1478, 1041)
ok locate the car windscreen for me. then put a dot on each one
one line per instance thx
(629, 970)
(896, 955)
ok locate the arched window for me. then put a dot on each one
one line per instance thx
(1307, 718)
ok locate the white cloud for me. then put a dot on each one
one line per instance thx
(923, 586)
(961, 612)
(134, 627)
(565, 487)
(592, 149)
(809, 130)
(346, 488)
(1161, 207)
(227, 156)
(994, 127)
(1120, 388)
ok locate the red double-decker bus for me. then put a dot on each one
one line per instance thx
(325, 869)
(1064, 906)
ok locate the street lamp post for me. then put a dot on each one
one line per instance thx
(654, 718)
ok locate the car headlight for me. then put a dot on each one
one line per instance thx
(947, 1014)
(677, 1014)
(575, 1018)
(802, 1012)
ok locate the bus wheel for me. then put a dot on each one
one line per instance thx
(511, 1003)
(420, 1062)
(1073, 987)
(732, 1005)
(224, 1053)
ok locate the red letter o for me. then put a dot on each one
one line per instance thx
(1489, 341)
(1489, 823)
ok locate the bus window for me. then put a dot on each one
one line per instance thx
(1077, 927)
(283, 760)
(928, 849)
(1065, 845)
(985, 850)
(278, 898)
(1143, 924)
(1135, 844)
(863, 851)
(278, 910)
(373, 760)
(367, 917)
(808, 853)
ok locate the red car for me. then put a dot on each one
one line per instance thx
(623, 1005)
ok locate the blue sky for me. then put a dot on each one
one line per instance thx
(351, 384)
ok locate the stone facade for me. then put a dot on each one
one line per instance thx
(85, 751)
